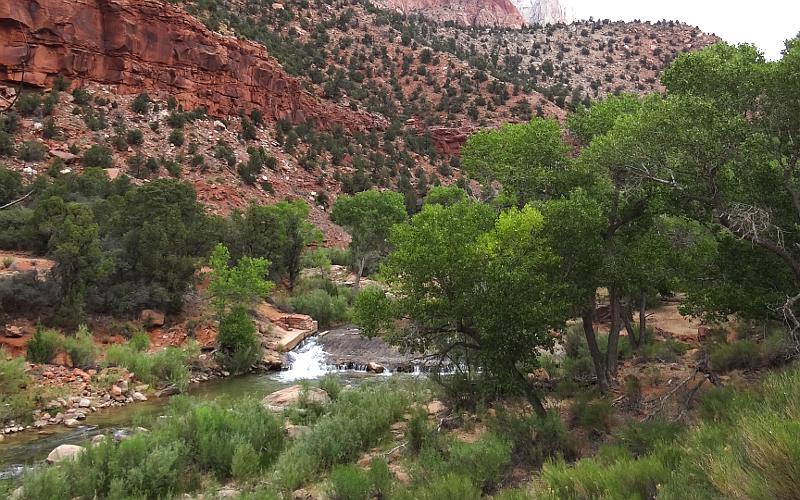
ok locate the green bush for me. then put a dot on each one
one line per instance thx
(451, 486)
(81, 348)
(98, 156)
(321, 306)
(739, 354)
(44, 345)
(139, 341)
(134, 137)
(484, 462)
(350, 482)
(31, 151)
(535, 438)
(641, 438)
(141, 104)
(238, 341)
(419, 433)
(176, 137)
(17, 400)
(331, 384)
(356, 421)
(592, 413)
(168, 366)
(28, 103)
(194, 440)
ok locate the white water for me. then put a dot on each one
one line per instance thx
(309, 361)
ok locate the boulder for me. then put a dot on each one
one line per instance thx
(72, 422)
(436, 407)
(278, 400)
(168, 391)
(228, 493)
(63, 452)
(152, 318)
(13, 332)
(84, 403)
(116, 390)
(138, 396)
(373, 367)
(293, 431)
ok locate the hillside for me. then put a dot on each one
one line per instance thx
(346, 96)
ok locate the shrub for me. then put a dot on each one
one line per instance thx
(141, 104)
(168, 366)
(244, 462)
(176, 137)
(641, 438)
(139, 341)
(535, 439)
(43, 346)
(321, 306)
(16, 400)
(6, 143)
(31, 151)
(484, 462)
(355, 422)
(350, 482)
(28, 103)
(61, 83)
(80, 96)
(49, 129)
(592, 413)
(419, 433)
(134, 137)
(239, 344)
(451, 486)
(97, 156)
(330, 383)
(81, 348)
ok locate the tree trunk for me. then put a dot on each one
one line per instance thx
(362, 262)
(531, 395)
(594, 351)
(612, 353)
(643, 317)
(627, 320)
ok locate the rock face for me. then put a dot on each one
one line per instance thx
(465, 12)
(141, 45)
(543, 11)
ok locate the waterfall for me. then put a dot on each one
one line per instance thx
(309, 361)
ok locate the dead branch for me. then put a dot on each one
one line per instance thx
(18, 200)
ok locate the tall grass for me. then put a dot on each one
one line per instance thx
(168, 366)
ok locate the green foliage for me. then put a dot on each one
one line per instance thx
(31, 151)
(356, 421)
(176, 137)
(327, 309)
(446, 195)
(17, 399)
(586, 124)
(239, 286)
(641, 438)
(169, 366)
(141, 104)
(592, 413)
(81, 348)
(369, 216)
(483, 462)
(44, 345)
(195, 439)
(239, 343)
(98, 156)
(139, 341)
(450, 486)
(10, 185)
(534, 438)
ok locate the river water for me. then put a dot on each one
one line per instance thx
(308, 361)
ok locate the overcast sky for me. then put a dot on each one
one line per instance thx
(765, 23)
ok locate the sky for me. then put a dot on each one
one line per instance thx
(764, 23)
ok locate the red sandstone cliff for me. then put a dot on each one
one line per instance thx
(465, 12)
(139, 45)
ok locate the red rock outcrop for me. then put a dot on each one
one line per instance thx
(139, 45)
(465, 12)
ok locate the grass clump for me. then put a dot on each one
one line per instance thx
(168, 366)
(17, 397)
(356, 420)
(535, 438)
(451, 486)
(81, 348)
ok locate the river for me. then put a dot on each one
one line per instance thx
(309, 361)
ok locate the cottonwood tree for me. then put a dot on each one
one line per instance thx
(531, 164)
(368, 216)
(458, 274)
(725, 143)
(233, 290)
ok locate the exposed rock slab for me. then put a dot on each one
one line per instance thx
(291, 395)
